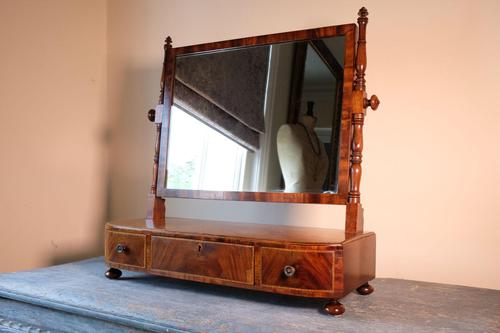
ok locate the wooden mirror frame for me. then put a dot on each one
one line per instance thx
(354, 104)
(348, 31)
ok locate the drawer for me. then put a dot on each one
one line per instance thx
(297, 269)
(230, 262)
(126, 249)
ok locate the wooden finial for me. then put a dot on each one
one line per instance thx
(362, 13)
(168, 42)
(167, 47)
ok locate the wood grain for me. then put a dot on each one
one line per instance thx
(313, 270)
(256, 196)
(217, 260)
(135, 245)
(282, 37)
(359, 262)
(343, 261)
(238, 233)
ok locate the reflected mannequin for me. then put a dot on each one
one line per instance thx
(302, 156)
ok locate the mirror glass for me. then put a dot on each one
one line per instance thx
(257, 119)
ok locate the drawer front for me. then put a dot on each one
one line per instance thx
(126, 249)
(209, 259)
(297, 269)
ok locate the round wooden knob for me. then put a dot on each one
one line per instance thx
(151, 115)
(373, 102)
(289, 271)
(120, 248)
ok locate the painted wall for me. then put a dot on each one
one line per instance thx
(52, 131)
(431, 164)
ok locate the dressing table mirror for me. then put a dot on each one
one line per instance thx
(273, 118)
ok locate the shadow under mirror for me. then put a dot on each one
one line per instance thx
(258, 119)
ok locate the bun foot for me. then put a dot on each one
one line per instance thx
(113, 273)
(365, 289)
(335, 308)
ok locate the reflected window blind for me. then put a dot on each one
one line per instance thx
(226, 90)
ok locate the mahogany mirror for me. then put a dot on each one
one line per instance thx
(262, 119)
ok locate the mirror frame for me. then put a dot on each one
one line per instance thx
(166, 98)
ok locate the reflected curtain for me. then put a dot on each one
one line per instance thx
(226, 90)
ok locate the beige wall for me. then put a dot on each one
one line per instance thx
(52, 118)
(430, 181)
(431, 176)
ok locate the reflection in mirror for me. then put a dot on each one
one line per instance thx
(263, 119)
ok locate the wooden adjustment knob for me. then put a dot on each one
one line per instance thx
(373, 102)
(151, 115)
(289, 271)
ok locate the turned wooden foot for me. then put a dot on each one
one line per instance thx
(365, 289)
(113, 273)
(334, 308)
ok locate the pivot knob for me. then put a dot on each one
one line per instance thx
(152, 115)
(373, 102)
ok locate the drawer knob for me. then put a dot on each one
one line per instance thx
(120, 248)
(289, 271)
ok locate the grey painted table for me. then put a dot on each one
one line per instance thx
(76, 297)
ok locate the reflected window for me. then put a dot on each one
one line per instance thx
(202, 158)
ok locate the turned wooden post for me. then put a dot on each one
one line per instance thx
(354, 214)
(156, 205)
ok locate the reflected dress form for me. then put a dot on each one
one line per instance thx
(302, 156)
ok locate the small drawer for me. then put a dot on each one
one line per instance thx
(297, 269)
(230, 262)
(126, 249)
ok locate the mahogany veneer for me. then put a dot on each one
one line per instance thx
(218, 260)
(126, 249)
(326, 263)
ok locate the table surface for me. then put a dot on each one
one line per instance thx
(140, 302)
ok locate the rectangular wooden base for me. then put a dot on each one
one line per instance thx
(300, 261)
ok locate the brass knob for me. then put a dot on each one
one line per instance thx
(152, 115)
(289, 271)
(120, 248)
(373, 102)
